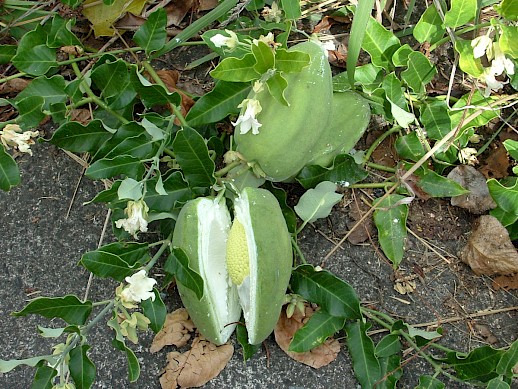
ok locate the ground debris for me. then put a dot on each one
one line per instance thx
(478, 200)
(176, 331)
(489, 249)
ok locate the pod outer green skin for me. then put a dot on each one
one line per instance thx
(204, 242)
(270, 272)
(349, 120)
(288, 134)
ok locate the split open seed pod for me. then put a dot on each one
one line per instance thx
(244, 266)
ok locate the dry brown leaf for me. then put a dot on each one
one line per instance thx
(177, 10)
(206, 5)
(483, 331)
(478, 200)
(196, 366)
(506, 282)
(176, 331)
(170, 79)
(496, 163)
(81, 115)
(317, 357)
(489, 249)
(13, 86)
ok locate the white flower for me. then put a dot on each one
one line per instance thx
(140, 288)
(468, 155)
(501, 62)
(12, 135)
(247, 120)
(258, 86)
(136, 220)
(221, 40)
(492, 84)
(269, 39)
(273, 14)
(480, 44)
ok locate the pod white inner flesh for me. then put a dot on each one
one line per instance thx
(248, 288)
(213, 226)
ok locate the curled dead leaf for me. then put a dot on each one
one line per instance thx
(170, 79)
(506, 282)
(176, 331)
(317, 357)
(489, 249)
(196, 366)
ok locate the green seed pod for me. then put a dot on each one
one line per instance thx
(201, 232)
(247, 266)
(267, 241)
(349, 120)
(288, 135)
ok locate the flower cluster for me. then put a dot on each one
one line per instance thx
(247, 121)
(135, 221)
(273, 14)
(12, 136)
(220, 40)
(139, 288)
(484, 45)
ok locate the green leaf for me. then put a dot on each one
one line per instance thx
(290, 61)
(141, 146)
(318, 328)
(30, 111)
(264, 57)
(480, 364)
(152, 35)
(104, 264)
(236, 69)
(60, 33)
(7, 52)
(51, 89)
(467, 61)
(394, 90)
(361, 348)
(152, 94)
(8, 365)
(218, 103)
(391, 371)
(112, 78)
(508, 9)
(291, 9)
(477, 99)
(35, 61)
(359, 26)
(118, 342)
(402, 116)
(429, 382)
(192, 155)
(178, 192)
(410, 147)
(508, 361)
(429, 27)
(68, 308)
(497, 383)
(109, 167)
(332, 294)
(390, 219)
(460, 13)
(131, 252)
(434, 117)
(419, 73)
(508, 41)
(43, 379)
(9, 171)
(505, 196)
(281, 196)
(317, 203)
(380, 44)
(388, 345)
(178, 264)
(400, 56)
(155, 311)
(438, 186)
(345, 171)
(277, 84)
(75, 137)
(242, 337)
(81, 367)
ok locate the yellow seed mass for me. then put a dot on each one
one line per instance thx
(238, 262)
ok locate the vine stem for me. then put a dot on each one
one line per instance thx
(387, 322)
(298, 250)
(378, 141)
(221, 172)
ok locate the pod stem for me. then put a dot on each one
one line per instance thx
(298, 250)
